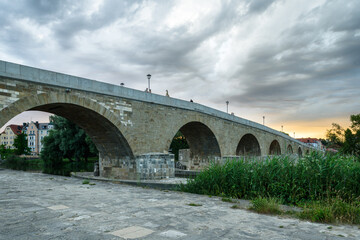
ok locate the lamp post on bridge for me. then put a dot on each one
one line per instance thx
(227, 106)
(148, 77)
(263, 120)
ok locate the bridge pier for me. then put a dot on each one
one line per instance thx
(149, 166)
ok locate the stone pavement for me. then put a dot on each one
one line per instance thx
(40, 206)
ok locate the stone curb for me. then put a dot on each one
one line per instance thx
(161, 186)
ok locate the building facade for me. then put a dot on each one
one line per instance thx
(36, 132)
(8, 136)
(43, 131)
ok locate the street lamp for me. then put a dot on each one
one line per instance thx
(263, 120)
(148, 77)
(227, 106)
(282, 128)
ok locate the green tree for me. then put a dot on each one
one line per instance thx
(335, 135)
(51, 154)
(347, 140)
(352, 137)
(355, 122)
(74, 143)
(21, 144)
(69, 141)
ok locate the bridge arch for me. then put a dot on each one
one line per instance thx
(300, 152)
(274, 148)
(289, 149)
(201, 139)
(102, 126)
(248, 146)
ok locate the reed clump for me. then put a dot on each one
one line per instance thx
(314, 177)
(325, 186)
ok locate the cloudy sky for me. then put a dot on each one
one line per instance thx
(295, 62)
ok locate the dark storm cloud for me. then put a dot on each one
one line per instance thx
(320, 53)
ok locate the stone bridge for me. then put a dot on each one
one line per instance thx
(133, 129)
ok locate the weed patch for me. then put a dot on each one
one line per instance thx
(195, 205)
(225, 199)
(235, 207)
(265, 205)
(86, 182)
(332, 211)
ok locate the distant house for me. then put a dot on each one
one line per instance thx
(43, 131)
(314, 142)
(8, 136)
(35, 134)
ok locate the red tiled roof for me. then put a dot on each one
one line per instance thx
(16, 129)
(308, 140)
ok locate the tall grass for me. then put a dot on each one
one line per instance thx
(314, 177)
